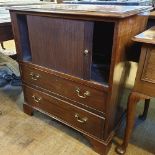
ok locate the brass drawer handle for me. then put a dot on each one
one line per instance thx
(34, 76)
(86, 94)
(36, 99)
(79, 119)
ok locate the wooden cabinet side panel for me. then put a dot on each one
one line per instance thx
(124, 31)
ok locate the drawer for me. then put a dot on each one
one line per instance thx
(74, 91)
(145, 78)
(148, 73)
(65, 112)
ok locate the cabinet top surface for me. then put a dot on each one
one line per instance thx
(147, 36)
(80, 9)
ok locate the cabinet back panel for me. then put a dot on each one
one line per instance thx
(24, 38)
(102, 51)
(58, 44)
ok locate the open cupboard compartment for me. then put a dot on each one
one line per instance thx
(102, 50)
(58, 49)
(25, 54)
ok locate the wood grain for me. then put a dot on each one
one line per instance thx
(5, 32)
(122, 46)
(61, 47)
(65, 88)
(143, 85)
(149, 66)
(65, 111)
(87, 10)
(147, 36)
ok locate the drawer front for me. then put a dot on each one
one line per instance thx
(75, 91)
(64, 111)
(149, 66)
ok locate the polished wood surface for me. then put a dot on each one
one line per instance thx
(64, 111)
(89, 10)
(122, 45)
(5, 32)
(146, 37)
(57, 84)
(99, 146)
(9, 3)
(133, 99)
(148, 70)
(144, 87)
(144, 79)
(51, 77)
(78, 43)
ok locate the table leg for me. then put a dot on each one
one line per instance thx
(146, 107)
(131, 111)
(2, 45)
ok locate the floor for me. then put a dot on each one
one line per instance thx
(41, 135)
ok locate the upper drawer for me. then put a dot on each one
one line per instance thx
(148, 73)
(65, 87)
(72, 115)
(145, 78)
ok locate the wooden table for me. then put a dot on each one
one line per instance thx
(5, 21)
(5, 25)
(144, 87)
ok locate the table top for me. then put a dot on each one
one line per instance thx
(80, 9)
(4, 16)
(4, 12)
(111, 2)
(147, 36)
(19, 3)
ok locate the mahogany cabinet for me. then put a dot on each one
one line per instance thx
(72, 63)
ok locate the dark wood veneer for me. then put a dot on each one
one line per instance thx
(5, 32)
(64, 87)
(75, 116)
(65, 46)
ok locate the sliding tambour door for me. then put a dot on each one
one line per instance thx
(63, 45)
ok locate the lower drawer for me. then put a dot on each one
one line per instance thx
(74, 116)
